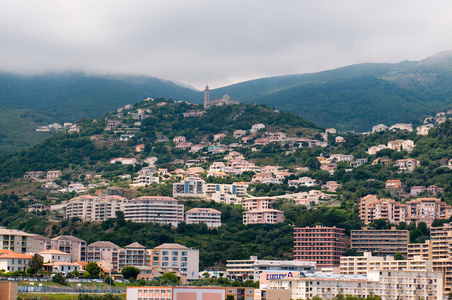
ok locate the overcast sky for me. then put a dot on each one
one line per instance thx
(217, 42)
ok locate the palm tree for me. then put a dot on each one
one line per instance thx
(35, 263)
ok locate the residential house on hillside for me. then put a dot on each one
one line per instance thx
(402, 126)
(34, 174)
(179, 139)
(124, 160)
(407, 165)
(417, 190)
(238, 133)
(54, 174)
(393, 184)
(379, 128)
(424, 129)
(307, 181)
(256, 127)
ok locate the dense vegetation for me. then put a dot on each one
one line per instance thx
(79, 154)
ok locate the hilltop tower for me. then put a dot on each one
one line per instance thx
(206, 97)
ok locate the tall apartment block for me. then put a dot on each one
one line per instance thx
(381, 242)
(154, 209)
(323, 245)
(439, 250)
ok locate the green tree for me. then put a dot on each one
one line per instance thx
(59, 278)
(399, 256)
(130, 272)
(93, 269)
(169, 279)
(229, 297)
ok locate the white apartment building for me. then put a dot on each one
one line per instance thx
(209, 216)
(176, 257)
(50, 256)
(145, 179)
(98, 209)
(389, 285)
(190, 187)
(154, 209)
(359, 265)
(11, 261)
(243, 269)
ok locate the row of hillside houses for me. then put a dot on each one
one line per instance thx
(65, 254)
(40, 174)
(413, 211)
(146, 209)
(399, 126)
(398, 145)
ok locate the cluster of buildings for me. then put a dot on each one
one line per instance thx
(146, 209)
(397, 145)
(65, 254)
(413, 211)
(71, 128)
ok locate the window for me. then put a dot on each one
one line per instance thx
(183, 259)
(154, 258)
(164, 252)
(155, 252)
(183, 264)
(155, 264)
(164, 264)
(165, 258)
(175, 253)
(174, 258)
(184, 253)
(174, 264)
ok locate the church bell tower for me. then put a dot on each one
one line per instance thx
(206, 97)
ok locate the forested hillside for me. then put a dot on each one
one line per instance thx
(89, 152)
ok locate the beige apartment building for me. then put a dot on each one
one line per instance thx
(177, 257)
(359, 265)
(257, 203)
(103, 250)
(17, 241)
(439, 250)
(70, 244)
(154, 209)
(132, 255)
(381, 242)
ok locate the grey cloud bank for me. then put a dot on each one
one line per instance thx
(216, 42)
